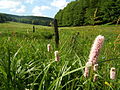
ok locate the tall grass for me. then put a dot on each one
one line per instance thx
(25, 62)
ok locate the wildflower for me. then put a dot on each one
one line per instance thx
(48, 47)
(96, 49)
(57, 58)
(95, 78)
(108, 84)
(112, 73)
(95, 67)
(86, 72)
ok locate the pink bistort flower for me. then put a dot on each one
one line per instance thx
(112, 73)
(48, 47)
(95, 67)
(57, 58)
(95, 78)
(96, 49)
(87, 68)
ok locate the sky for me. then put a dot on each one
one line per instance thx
(46, 8)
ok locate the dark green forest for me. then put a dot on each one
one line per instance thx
(89, 12)
(36, 20)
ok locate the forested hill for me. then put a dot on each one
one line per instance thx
(89, 12)
(36, 20)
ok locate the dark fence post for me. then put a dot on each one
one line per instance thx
(56, 33)
(33, 29)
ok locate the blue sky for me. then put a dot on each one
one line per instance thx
(47, 8)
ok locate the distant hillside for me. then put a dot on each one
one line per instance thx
(36, 20)
(89, 12)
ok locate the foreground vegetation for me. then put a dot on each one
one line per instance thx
(25, 62)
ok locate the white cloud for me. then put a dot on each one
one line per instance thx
(38, 10)
(4, 4)
(59, 3)
(18, 10)
(30, 1)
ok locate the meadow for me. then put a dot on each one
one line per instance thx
(25, 63)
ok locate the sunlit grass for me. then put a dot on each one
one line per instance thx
(25, 62)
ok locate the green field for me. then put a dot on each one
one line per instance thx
(25, 63)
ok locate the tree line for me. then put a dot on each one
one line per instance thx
(89, 12)
(36, 20)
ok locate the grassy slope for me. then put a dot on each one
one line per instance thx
(29, 57)
(13, 26)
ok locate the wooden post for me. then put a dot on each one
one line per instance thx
(33, 29)
(56, 33)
